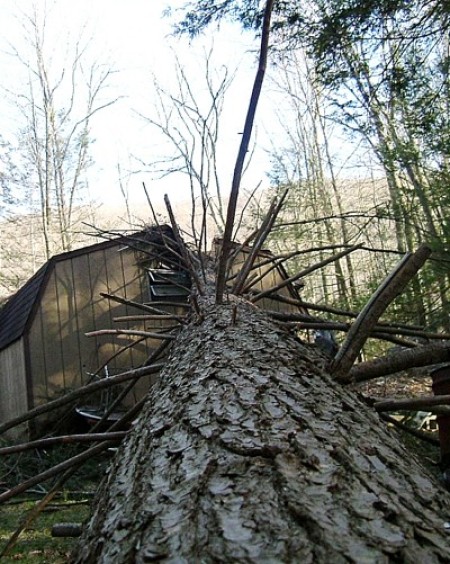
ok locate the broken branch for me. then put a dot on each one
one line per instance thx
(144, 307)
(90, 388)
(303, 273)
(65, 439)
(131, 333)
(245, 141)
(261, 237)
(47, 474)
(145, 317)
(187, 257)
(411, 403)
(423, 355)
(367, 319)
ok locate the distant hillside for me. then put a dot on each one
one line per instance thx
(22, 247)
(22, 250)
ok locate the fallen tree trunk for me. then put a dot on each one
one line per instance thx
(247, 450)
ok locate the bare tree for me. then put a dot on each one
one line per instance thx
(305, 161)
(57, 108)
(189, 118)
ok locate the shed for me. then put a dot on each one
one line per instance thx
(44, 352)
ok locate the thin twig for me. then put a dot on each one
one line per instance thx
(132, 333)
(153, 357)
(253, 280)
(144, 307)
(64, 439)
(150, 205)
(145, 317)
(47, 474)
(184, 305)
(306, 321)
(237, 248)
(244, 208)
(187, 257)
(261, 237)
(303, 273)
(302, 304)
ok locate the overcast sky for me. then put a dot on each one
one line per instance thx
(133, 38)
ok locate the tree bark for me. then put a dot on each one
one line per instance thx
(248, 451)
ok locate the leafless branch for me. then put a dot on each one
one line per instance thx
(303, 273)
(425, 355)
(260, 239)
(63, 439)
(144, 307)
(86, 390)
(131, 333)
(55, 470)
(388, 290)
(411, 431)
(245, 141)
(409, 404)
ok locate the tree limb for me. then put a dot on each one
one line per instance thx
(303, 273)
(411, 403)
(426, 355)
(245, 141)
(131, 332)
(89, 389)
(64, 439)
(380, 300)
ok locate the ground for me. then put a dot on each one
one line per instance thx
(36, 545)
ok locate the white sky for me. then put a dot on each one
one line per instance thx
(132, 37)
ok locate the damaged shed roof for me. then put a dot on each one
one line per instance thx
(17, 313)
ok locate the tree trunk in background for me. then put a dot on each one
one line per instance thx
(248, 451)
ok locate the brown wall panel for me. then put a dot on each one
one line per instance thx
(71, 305)
(37, 363)
(52, 338)
(115, 278)
(100, 308)
(68, 314)
(85, 321)
(13, 399)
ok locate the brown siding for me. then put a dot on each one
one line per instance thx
(122, 278)
(13, 399)
(52, 318)
(62, 357)
(128, 280)
(37, 339)
(87, 348)
(68, 316)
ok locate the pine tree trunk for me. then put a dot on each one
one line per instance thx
(248, 451)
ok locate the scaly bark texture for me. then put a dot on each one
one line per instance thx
(248, 451)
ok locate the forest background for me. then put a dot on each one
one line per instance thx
(354, 121)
